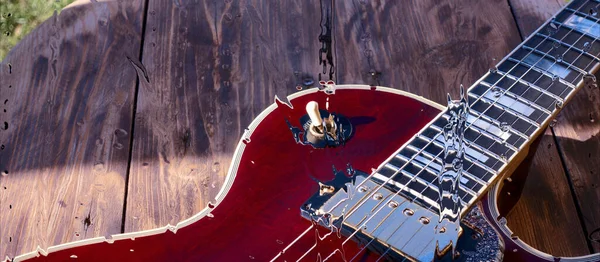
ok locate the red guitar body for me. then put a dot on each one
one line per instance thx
(257, 214)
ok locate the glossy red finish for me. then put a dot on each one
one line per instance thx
(260, 214)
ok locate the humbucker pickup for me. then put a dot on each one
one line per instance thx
(375, 216)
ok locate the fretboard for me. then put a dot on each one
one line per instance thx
(509, 107)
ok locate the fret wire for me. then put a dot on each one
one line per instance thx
(522, 99)
(572, 47)
(430, 162)
(572, 29)
(525, 64)
(528, 70)
(579, 73)
(487, 134)
(534, 103)
(517, 133)
(529, 85)
(516, 114)
(484, 112)
(468, 174)
(528, 102)
(473, 160)
(389, 179)
(595, 20)
(552, 58)
(431, 169)
(418, 195)
(418, 179)
(490, 153)
(581, 53)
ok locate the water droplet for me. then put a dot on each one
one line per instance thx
(502, 221)
(556, 44)
(558, 104)
(594, 11)
(504, 126)
(503, 157)
(552, 29)
(251, 257)
(408, 212)
(587, 46)
(120, 132)
(308, 81)
(393, 204)
(559, 58)
(553, 122)
(210, 215)
(279, 242)
(5, 173)
(298, 87)
(99, 166)
(442, 230)
(497, 91)
(555, 78)
(424, 220)
(589, 77)
(216, 167)
(118, 146)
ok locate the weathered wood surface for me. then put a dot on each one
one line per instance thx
(213, 68)
(206, 70)
(546, 209)
(67, 98)
(577, 132)
(460, 43)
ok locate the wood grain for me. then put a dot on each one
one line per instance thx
(577, 131)
(430, 48)
(67, 92)
(545, 209)
(213, 67)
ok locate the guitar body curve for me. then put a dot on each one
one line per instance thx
(257, 214)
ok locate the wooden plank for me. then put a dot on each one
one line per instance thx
(545, 210)
(577, 130)
(213, 67)
(68, 104)
(429, 48)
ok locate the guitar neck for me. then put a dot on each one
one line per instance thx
(509, 107)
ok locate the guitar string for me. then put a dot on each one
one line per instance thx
(569, 66)
(420, 150)
(546, 53)
(538, 60)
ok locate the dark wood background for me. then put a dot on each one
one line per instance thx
(123, 116)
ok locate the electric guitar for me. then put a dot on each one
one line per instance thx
(369, 173)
